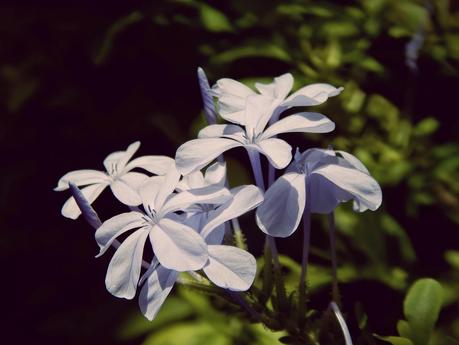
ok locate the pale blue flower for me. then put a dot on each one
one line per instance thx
(328, 178)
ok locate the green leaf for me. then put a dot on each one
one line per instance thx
(421, 308)
(395, 340)
(174, 309)
(197, 333)
(452, 257)
(252, 50)
(214, 20)
(403, 328)
(117, 27)
(426, 126)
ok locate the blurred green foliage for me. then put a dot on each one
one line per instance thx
(398, 62)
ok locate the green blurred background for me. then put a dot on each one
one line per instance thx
(80, 81)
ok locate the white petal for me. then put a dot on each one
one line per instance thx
(230, 267)
(149, 189)
(231, 87)
(223, 131)
(278, 152)
(283, 85)
(194, 180)
(115, 226)
(313, 94)
(245, 198)
(213, 194)
(355, 162)
(71, 209)
(155, 290)
(361, 186)
(279, 88)
(81, 178)
(231, 99)
(111, 161)
(177, 246)
(158, 165)
(259, 110)
(125, 188)
(281, 212)
(195, 154)
(301, 122)
(124, 269)
(127, 155)
(216, 174)
(171, 180)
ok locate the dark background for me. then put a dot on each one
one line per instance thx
(69, 97)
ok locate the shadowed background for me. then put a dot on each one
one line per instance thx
(79, 82)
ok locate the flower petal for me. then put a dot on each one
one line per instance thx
(124, 269)
(149, 189)
(71, 209)
(301, 122)
(195, 154)
(282, 209)
(216, 174)
(125, 188)
(346, 183)
(127, 155)
(245, 198)
(278, 152)
(81, 178)
(259, 110)
(354, 161)
(115, 226)
(230, 267)
(223, 131)
(231, 99)
(207, 97)
(158, 165)
(313, 94)
(280, 88)
(213, 194)
(155, 290)
(177, 246)
(171, 180)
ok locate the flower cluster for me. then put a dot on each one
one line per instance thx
(184, 213)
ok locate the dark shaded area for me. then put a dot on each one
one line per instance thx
(62, 111)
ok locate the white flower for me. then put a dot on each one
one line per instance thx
(175, 245)
(122, 181)
(328, 178)
(227, 267)
(232, 97)
(216, 139)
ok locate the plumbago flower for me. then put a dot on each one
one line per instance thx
(175, 245)
(179, 241)
(251, 113)
(122, 181)
(232, 96)
(327, 178)
(227, 267)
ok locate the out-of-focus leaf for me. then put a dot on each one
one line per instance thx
(190, 333)
(421, 308)
(338, 29)
(452, 257)
(214, 20)
(254, 50)
(390, 225)
(117, 27)
(173, 309)
(383, 110)
(265, 336)
(403, 328)
(426, 126)
(395, 340)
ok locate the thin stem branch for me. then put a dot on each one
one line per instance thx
(243, 303)
(306, 245)
(347, 335)
(332, 235)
